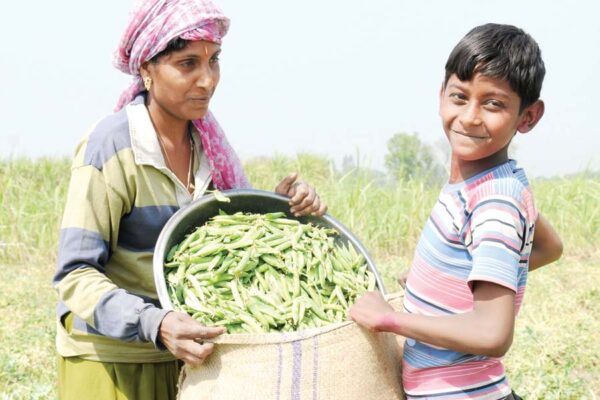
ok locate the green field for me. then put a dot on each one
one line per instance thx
(556, 350)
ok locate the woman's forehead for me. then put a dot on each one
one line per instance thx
(197, 48)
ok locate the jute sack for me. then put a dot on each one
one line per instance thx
(340, 361)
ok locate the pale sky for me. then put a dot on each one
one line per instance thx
(332, 77)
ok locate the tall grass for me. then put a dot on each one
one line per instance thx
(32, 197)
(555, 352)
(389, 216)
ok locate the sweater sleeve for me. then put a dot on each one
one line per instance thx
(89, 229)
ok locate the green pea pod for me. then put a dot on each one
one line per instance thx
(197, 238)
(285, 291)
(251, 323)
(189, 239)
(284, 221)
(207, 250)
(240, 266)
(296, 284)
(274, 215)
(274, 261)
(236, 295)
(317, 309)
(172, 252)
(260, 317)
(372, 281)
(338, 293)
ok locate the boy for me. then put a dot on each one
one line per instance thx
(470, 267)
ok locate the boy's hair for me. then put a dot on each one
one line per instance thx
(502, 52)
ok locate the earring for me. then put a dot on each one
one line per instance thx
(147, 83)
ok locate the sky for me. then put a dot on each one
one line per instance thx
(332, 77)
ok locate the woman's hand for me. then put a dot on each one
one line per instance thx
(374, 313)
(304, 200)
(183, 337)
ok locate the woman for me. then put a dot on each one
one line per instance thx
(158, 151)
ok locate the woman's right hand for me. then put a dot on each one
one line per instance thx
(184, 337)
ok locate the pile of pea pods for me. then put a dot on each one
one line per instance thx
(256, 273)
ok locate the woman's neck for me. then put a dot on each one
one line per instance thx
(171, 128)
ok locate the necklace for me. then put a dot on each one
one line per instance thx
(189, 186)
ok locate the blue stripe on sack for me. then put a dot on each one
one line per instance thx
(78, 248)
(296, 369)
(140, 228)
(315, 365)
(279, 369)
(110, 136)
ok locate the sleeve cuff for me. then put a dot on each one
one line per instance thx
(150, 320)
(484, 278)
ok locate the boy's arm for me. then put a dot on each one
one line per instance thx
(496, 236)
(487, 330)
(547, 246)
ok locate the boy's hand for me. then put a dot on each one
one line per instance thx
(374, 313)
(547, 245)
(304, 200)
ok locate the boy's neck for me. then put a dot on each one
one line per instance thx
(461, 170)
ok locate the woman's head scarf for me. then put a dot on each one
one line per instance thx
(152, 25)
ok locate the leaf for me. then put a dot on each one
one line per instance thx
(221, 197)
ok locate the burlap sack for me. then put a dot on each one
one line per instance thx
(341, 361)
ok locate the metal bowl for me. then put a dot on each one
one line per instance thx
(201, 210)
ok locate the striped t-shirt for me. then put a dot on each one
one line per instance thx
(479, 230)
(120, 196)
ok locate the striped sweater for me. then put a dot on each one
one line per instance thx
(479, 230)
(120, 195)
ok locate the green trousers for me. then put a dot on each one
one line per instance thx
(80, 379)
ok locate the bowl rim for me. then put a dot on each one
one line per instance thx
(160, 250)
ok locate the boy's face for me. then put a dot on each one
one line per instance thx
(481, 116)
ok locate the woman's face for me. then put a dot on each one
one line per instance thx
(183, 81)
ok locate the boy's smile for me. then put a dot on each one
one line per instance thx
(480, 118)
(470, 135)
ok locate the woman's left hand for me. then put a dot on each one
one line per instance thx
(304, 200)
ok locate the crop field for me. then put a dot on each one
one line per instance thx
(556, 349)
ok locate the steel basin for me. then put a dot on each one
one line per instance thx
(201, 210)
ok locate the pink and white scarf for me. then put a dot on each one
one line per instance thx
(153, 24)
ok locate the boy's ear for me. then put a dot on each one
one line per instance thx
(531, 116)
